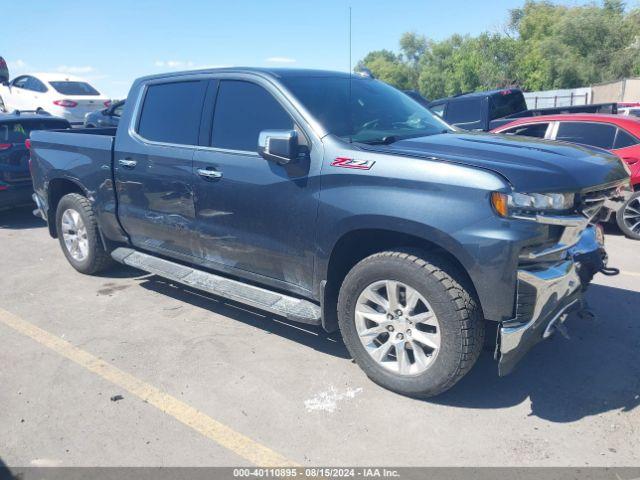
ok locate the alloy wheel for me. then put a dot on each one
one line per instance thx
(631, 215)
(397, 327)
(74, 234)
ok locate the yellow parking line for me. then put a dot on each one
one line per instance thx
(225, 436)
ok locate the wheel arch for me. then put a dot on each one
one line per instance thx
(58, 188)
(354, 245)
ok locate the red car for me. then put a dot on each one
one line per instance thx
(616, 133)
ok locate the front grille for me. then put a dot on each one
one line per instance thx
(590, 203)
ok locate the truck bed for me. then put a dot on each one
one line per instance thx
(76, 158)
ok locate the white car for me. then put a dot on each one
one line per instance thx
(59, 94)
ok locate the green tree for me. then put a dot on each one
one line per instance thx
(545, 46)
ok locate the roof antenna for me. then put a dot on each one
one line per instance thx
(350, 75)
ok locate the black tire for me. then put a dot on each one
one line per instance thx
(97, 259)
(458, 312)
(632, 203)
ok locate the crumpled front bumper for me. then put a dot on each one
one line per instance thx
(546, 293)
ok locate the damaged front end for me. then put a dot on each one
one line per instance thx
(551, 280)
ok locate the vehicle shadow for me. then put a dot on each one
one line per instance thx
(5, 473)
(596, 371)
(308, 335)
(20, 218)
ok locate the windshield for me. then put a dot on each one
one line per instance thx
(74, 88)
(377, 113)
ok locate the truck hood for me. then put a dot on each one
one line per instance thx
(529, 164)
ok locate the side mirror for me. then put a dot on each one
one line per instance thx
(280, 146)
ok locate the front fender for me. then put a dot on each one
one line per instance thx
(444, 204)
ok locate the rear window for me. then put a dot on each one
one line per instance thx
(18, 132)
(464, 111)
(506, 103)
(74, 88)
(593, 134)
(171, 112)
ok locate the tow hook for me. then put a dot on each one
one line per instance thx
(610, 271)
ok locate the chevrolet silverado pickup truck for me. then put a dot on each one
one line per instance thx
(336, 200)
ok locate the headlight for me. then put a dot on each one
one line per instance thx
(504, 203)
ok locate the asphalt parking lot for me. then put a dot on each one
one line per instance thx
(207, 382)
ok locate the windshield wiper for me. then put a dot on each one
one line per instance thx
(388, 140)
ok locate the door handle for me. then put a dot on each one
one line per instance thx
(127, 163)
(209, 174)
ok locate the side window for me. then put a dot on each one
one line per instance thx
(623, 140)
(171, 112)
(593, 134)
(464, 111)
(537, 130)
(35, 85)
(20, 82)
(242, 111)
(438, 109)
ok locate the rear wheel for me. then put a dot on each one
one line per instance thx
(409, 322)
(628, 217)
(78, 235)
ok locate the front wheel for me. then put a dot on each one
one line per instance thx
(410, 321)
(628, 217)
(78, 235)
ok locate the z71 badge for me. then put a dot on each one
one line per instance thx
(343, 162)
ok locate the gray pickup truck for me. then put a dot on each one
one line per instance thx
(336, 200)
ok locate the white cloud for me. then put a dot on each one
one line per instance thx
(17, 64)
(181, 64)
(72, 69)
(174, 63)
(280, 60)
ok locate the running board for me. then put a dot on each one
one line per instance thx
(292, 308)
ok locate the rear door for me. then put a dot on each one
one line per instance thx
(257, 219)
(153, 167)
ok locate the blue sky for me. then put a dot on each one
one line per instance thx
(112, 42)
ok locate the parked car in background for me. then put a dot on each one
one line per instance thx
(488, 110)
(60, 94)
(632, 111)
(15, 180)
(387, 224)
(616, 133)
(107, 117)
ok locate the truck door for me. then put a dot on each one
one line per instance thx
(256, 219)
(153, 167)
